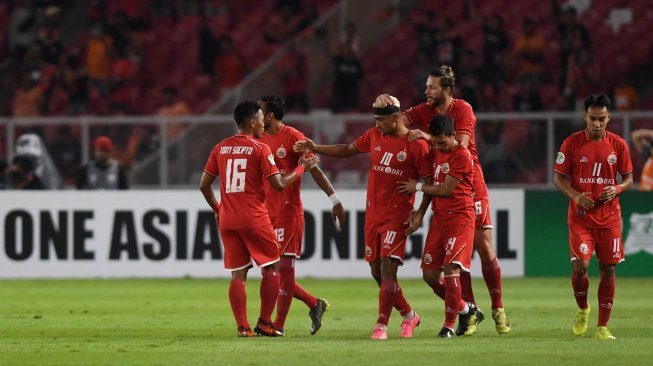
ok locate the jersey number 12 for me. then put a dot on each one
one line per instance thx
(235, 177)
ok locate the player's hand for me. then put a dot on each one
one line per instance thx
(414, 222)
(383, 100)
(608, 193)
(417, 134)
(308, 163)
(583, 200)
(407, 187)
(338, 213)
(304, 145)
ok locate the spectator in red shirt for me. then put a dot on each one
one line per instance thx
(123, 80)
(230, 64)
(292, 70)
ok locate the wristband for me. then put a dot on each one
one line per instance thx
(418, 186)
(299, 170)
(334, 199)
(618, 187)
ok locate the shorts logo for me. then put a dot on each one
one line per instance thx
(271, 159)
(445, 168)
(281, 152)
(368, 251)
(428, 259)
(401, 156)
(612, 159)
(583, 248)
(560, 158)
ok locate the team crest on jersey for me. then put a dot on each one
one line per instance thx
(281, 152)
(445, 168)
(368, 251)
(584, 248)
(271, 159)
(612, 159)
(560, 158)
(428, 259)
(401, 156)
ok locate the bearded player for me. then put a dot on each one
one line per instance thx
(287, 213)
(387, 217)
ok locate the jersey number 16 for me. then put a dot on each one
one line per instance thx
(235, 177)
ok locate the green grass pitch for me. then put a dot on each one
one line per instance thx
(189, 322)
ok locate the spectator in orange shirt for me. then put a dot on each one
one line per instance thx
(28, 97)
(123, 80)
(642, 140)
(99, 50)
(625, 96)
(530, 49)
(173, 107)
(230, 64)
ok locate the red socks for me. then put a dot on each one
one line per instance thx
(387, 295)
(238, 300)
(453, 301)
(466, 287)
(580, 286)
(269, 293)
(439, 288)
(305, 297)
(606, 297)
(492, 276)
(286, 291)
(401, 304)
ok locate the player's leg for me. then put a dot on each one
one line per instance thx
(432, 261)
(387, 292)
(453, 301)
(237, 260)
(609, 252)
(286, 290)
(581, 247)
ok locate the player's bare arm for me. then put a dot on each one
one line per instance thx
(463, 139)
(581, 199)
(638, 137)
(207, 190)
(416, 217)
(441, 190)
(337, 211)
(338, 151)
(279, 182)
(611, 192)
(418, 134)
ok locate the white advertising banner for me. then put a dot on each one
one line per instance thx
(173, 233)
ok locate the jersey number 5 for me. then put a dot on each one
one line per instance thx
(235, 178)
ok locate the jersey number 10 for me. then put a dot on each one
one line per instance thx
(235, 177)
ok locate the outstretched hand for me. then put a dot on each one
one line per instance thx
(308, 163)
(304, 146)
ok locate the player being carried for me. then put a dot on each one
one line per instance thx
(586, 172)
(392, 158)
(247, 235)
(439, 100)
(449, 243)
(287, 213)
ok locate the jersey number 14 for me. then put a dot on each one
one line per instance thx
(235, 177)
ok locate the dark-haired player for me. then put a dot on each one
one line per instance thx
(586, 172)
(388, 213)
(287, 213)
(247, 235)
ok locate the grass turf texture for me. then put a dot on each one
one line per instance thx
(189, 322)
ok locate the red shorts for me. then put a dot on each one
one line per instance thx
(448, 244)
(606, 243)
(243, 246)
(482, 212)
(385, 239)
(290, 233)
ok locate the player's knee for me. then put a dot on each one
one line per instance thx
(579, 271)
(607, 269)
(430, 278)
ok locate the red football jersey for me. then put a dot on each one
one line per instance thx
(464, 121)
(242, 164)
(591, 166)
(288, 201)
(392, 159)
(458, 208)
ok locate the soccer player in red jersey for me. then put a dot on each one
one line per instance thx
(243, 164)
(439, 100)
(287, 213)
(392, 158)
(449, 243)
(586, 172)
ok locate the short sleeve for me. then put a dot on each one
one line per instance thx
(563, 158)
(424, 161)
(465, 120)
(418, 118)
(268, 166)
(211, 166)
(363, 143)
(625, 163)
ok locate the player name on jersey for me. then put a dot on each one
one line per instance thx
(246, 150)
